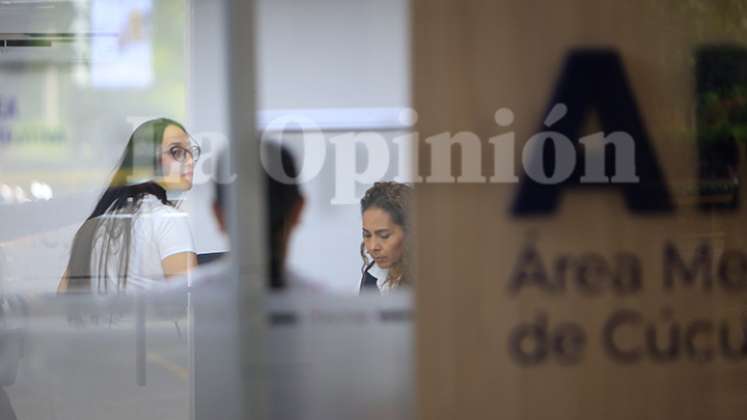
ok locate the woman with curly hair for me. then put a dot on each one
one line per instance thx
(386, 231)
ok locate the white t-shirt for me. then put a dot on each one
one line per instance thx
(157, 231)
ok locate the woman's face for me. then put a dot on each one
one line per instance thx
(176, 159)
(384, 240)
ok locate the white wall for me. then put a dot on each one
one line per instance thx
(332, 53)
(340, 62)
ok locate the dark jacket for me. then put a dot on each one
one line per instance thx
(368, 281)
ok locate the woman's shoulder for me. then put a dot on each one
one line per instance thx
(153, 206)
(160, 216)
(166, 225)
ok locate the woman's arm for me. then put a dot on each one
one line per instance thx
(64, 281)
(180, 263)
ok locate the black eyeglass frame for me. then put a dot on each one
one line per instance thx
(194, 150)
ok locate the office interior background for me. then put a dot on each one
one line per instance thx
(535, 299)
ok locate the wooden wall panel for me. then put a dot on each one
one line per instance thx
(471, 58)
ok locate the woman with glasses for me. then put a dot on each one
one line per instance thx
(136, 236)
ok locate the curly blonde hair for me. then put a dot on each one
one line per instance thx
(394, 198)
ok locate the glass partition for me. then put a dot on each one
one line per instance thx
(77, 78)
(97, 158)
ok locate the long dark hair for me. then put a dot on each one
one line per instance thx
(131, 183)
(282, 199)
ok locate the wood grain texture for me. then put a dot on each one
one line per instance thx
(472, 57)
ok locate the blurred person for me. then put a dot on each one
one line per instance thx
(215, 283)
(386, 227)
(137, 236)
(284, 205)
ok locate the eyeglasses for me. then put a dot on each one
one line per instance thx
(180, 153)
